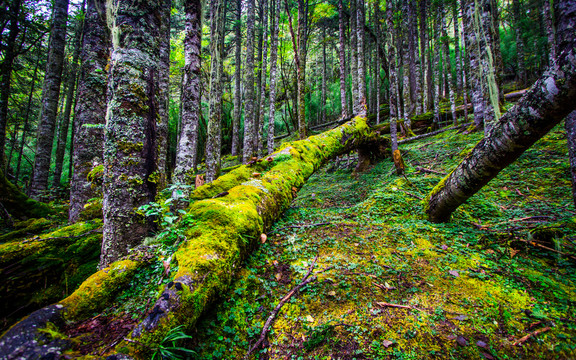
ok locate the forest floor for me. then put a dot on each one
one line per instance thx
(391, 285)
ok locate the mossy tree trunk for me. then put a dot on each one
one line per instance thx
(50, 96)
(16, 204)
(549, 101)
(90, 112)
(130, 147)
(220, 233)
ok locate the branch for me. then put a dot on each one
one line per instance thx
(524, 338)
(305, 281)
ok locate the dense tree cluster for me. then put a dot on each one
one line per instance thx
(91, 85)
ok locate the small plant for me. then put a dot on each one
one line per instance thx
(168, 348)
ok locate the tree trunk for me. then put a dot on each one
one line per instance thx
(522, 78)
(50, 97)
(549, 101)
(6, 74)
(213, 140)
(90, 111)
(424, 56)
(377, 58)
(437, 88)
(72, 80)
(187, 150)
(570, 125)
(237, 81)
(249, 117)
(342, 54)
(274, 26)
(259, 145)
(164, 100)
(465, 65)
(354, 54)
(473, 53)
(360, 23)
(131, 144)
(448, 68)
(495, 44)
(394, 94)
(548, 23)
(302, 55)
(323, 90)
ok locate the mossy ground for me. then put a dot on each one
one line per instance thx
(474, 285)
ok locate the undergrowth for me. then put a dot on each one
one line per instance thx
(501, 270)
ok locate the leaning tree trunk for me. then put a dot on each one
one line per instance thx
(549, 100)
(221, 232)
(50, 96)
(132, 115)
(90, 112)
(570, 125)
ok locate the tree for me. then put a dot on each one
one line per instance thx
(516, 10)
(275, 11)
(130, 149)
(50, 96)
(249, 117)
(90, 112)
(570, 125)
(237, 81)
(342, 55)
(186, 153)
(547, 102)
(360, 23)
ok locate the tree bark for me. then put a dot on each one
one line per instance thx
(516, 11)
(473, 53)
(50, 97)
(354, 54)
(360, 23)
(187, 150)
(213, 140)
(249, 117)
(549, 101)
(342, 55)
(163, 101)
(90, 111)
(72, 80)
(448, 68)
(237, 81)
(274, 25)
(130, 149)
(259, 145)
(6, 73)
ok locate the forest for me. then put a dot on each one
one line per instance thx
(287, 179)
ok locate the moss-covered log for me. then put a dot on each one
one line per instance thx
(549, 101)
(17, 204)
(220, 232)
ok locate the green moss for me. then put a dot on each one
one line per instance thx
(25, 229)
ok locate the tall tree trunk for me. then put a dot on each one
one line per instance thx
(274, 26)
(302, 55)
(377, 58)
(465, 62)
(424, 55)
(570, 126)
(164, 100)
(549, 101)
(26, 126)
(448, 67)
(517, 13)
(323, 91)
(354, 54)
(72, 80)
(249, 117)
(131, 145)
(6, 73)
(457, 53)
(392, 62)
(412, 35)
(473, 53)
(342, 55)
(187, 150)
(548, 23)
(495, 44)
(237, 81)
(259, 145)
(360, 23)
(50, 96)
(213, 141)
(90, 111)
(436, 68)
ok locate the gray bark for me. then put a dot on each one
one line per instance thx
(570, 126)
(473, 54)
(50, 96)
(90, 111)
(360, 23)
(248, 150)
(342, 55)
(259, 145)
(130, 146)
(354, 55)
(517, 11)
(237, 81)
(187, 150)
(163, 102)
(274, 25)
(448, 68)
(549, 101)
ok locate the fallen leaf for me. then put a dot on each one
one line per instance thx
(309, 318)
(275, 262)
(332, 293)
(461, 340)
(489, 251)
(454, 273)
(255, 174)
(263, 238)
(461, 317)
(387, 343)
(451, 337)
(513, 252)
(481, 344)
(444, 247)
(278, 276)
(388, 286)
(488, 356)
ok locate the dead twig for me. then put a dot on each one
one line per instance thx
(305, 281)
(533, 243)
(524, 338)
(385, 304)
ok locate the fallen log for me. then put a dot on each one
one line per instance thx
(515, 95)
(219, 234)
(17, 204)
